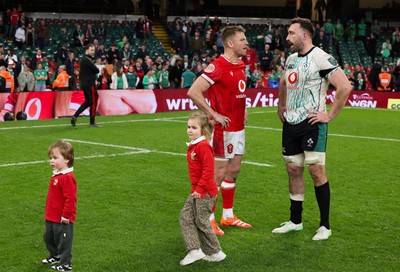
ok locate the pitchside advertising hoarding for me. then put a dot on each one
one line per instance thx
(45, 105)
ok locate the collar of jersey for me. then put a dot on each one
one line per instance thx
(198, 140)
(306, 53)
(63, 172)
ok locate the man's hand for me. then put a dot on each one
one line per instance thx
(317, 117)
(281, 110)
(220, 119)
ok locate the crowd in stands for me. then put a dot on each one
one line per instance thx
(125, 61)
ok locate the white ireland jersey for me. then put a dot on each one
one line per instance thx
(307, 83)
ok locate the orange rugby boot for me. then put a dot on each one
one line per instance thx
(235, 222)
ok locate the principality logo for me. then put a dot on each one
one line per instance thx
(292, 77)
(192, 155)
(364, 96)
(210, 68)
(55, 182)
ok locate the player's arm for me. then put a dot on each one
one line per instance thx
(196, 94)
(282, 98)
(343, 88)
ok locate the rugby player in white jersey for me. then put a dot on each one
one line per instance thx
(302, 109)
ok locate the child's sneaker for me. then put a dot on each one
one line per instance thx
(62, 267)
(193, 256)
(235, 222)
(51, 260)
(217, 257)
(216, 228)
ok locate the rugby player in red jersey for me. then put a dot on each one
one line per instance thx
(225, 81)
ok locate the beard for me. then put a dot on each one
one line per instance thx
(296, 47)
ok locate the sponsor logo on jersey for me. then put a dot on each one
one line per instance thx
(210, 68)
(55, 182)
(242, 85)
(193, 155)
(292, 77)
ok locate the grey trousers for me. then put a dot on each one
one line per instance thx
(58, 239)
(196, 226)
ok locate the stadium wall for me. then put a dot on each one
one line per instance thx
(47, 105)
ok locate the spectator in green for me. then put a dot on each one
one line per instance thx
(132, 78)
(256, 76)
(386, 49)
(362, 31)
(40, 78)
(45, 62)
(351, 30)
(188, 77)
(122, 42)
(338, 31)
(163, 76)
(149, 80)
(346, 68)
(279, 72)
(328, 27)
(273, 80)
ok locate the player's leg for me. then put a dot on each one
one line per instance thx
(315, 159)
(220, 170)
(234, 146)
(294, 159)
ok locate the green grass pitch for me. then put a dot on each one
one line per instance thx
(133, 181)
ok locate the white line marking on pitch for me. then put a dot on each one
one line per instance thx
(78, 158)
(173, 119)
(157, 151)
(136, 151)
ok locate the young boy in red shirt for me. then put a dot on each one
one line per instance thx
(60, 207)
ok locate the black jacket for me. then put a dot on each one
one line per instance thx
(88, 71)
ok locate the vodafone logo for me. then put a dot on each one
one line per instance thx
(242, 85)
(292, 78)
(33, 109)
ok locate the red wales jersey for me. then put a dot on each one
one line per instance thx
(61, 197)
(227, 92)
(200, 157)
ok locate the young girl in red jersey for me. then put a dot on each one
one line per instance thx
(60, 207)
(195, 215)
